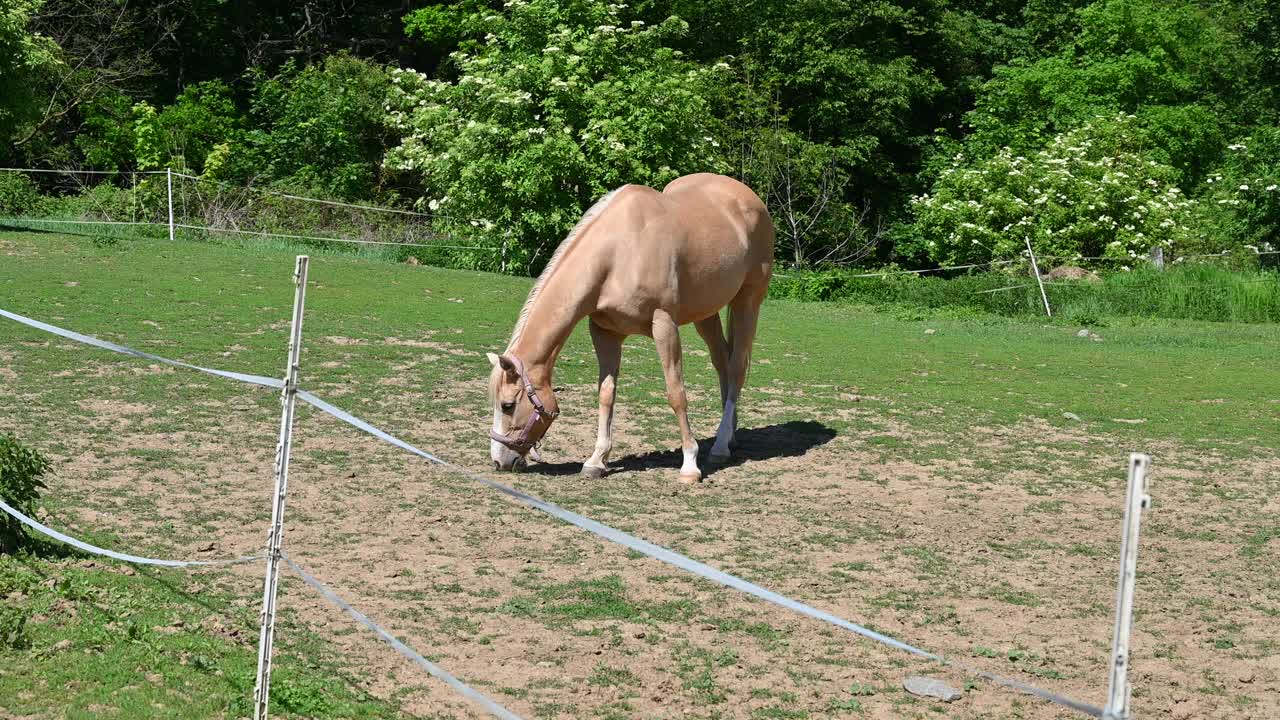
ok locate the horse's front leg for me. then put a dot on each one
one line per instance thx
(608, 347)
(666, 335)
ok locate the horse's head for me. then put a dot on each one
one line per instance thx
(521, 414)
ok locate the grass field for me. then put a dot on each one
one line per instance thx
(954, 482)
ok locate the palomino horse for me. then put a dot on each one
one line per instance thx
(640, 262)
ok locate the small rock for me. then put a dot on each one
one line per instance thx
(61, 645)
(931, 687)
(1071, 416)
(929, 331)
(1084, 332)
(639, 635)
(207, 547)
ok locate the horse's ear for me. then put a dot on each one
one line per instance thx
(501, 360)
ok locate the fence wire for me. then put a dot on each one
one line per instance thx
(606, 532)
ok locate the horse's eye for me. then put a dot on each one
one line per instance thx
(508, 407)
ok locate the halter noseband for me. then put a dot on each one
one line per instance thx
(521, 443)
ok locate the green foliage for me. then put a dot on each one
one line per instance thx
(20, 484)
(1091, 192)
(1243, 201)
(25, 57)
(108, 139)
(149, 149)
(446, 25)
(202, 116)
(516, 118)
(19, 196)
(319, 127)
(562, 102)
(1177, 65)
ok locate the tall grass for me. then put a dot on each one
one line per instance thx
(1191, 291)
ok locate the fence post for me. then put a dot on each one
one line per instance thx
(168, 173)
(1157, 257)
(262, 687)
(1036, 269)
(1136, 500)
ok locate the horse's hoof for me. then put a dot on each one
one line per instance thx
(593, 473)
(691, 478)
(716, 459)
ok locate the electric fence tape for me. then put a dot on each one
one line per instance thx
(596, 528)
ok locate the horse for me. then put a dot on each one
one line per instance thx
(639, 262)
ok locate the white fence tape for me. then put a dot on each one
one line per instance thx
(604, 531)
(435, 670)
(94, 549)
(703, 570)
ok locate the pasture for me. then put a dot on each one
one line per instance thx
(955, 482)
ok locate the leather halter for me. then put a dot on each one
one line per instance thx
(521, 443)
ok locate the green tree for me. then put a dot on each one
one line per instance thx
(562, 101)
(25, 57)
(320, 127)
(1175, 64)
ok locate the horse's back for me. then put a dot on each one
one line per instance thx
(688, 250)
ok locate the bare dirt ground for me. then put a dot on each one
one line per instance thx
(1008, 571)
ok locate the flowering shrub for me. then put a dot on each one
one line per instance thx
(1091, 192)
(563, 101)
(1244, 194)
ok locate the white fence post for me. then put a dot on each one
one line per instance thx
(1136, 501)
(1036, 269)
(168, 173)
(262, 687)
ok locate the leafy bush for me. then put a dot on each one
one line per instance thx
(182, 134)
(20, 471)
(321, 127)
(1091, 192)
(1244, 194)
(107, 139)
(562, 102)
(1178, 65)
(19, 196)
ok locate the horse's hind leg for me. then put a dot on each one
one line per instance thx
(744, 312)
(713, 335)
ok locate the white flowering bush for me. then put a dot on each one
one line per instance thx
(1243, 198)
(561, 102)
(1090, 193)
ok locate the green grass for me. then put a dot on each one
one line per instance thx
(1185, 291)
(83, 639)
(875, 382)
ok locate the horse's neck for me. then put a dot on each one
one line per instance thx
(562, 302)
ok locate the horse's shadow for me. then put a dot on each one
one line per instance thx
(789, 439)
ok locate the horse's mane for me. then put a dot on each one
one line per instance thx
(565, 244)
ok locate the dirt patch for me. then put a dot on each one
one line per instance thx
(1005, 569)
